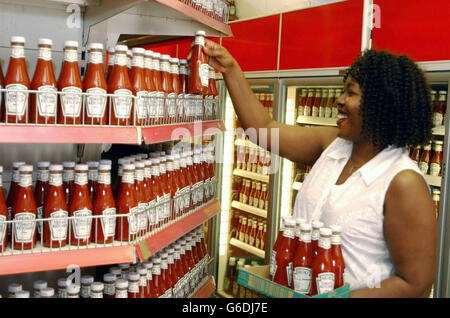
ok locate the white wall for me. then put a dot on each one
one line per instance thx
(250, 9)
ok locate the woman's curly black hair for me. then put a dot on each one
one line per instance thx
(396, 106)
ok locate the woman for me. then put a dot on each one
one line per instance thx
(362, 178)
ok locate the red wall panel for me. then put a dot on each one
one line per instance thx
(416, 28)
(324, 36)
(255, 43)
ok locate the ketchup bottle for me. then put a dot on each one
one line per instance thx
(322, 274)
(248, 230)
(170, 94)
(285, 256)
(121, 162)
(110, 63)
(199, 74)
(104, 228)
(160, 94)
(96, 112)
(436, 160)
(165, 275)
(309, 103)
(316, 104)
(186, 268)
(184, 88)
(263, 199)
(212, 173)
(301, 103)
(3, 216)
(316, 225)
(336, 256)
(16, 79)
(133, 285)
(329, 105)
(13, 189)
(259, 236)
(126, 203)
(303, 261)
(139, 85)
(165, 188)
(191, 264)
(149, 194)
(70, 84)
(243, 229)
(158, 282)
(424, 163)
(206, 176)
(157, 190)
(142, 271)
(199, 177)
(182, 184)
(177, 89)
(151, 88)
(178, 290)
(81, 207)
(214, 93)
(172, 272)
(40, 190)
(68, 179)
(150, 286)
(174, 189)
(55, 208)
(276, 245)
(252, 235)
(121, 105)
(24, 210)
(189, 182)
(140, 197)
(92, 178)
(43, 106)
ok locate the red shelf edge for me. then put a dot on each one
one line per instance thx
(206, 290)
(174, 132)
(46, 261)
(68, 134)
(173, 232)
(197, 15)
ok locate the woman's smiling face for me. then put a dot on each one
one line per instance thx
(349, 116)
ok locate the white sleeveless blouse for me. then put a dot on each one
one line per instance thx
(356, 205)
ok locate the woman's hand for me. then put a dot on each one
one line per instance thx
(218, 57)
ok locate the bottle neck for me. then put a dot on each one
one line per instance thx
(55, 179)
(45, 53)
(70, 55)
(288, 232)
(81, 178)
(95, 57)
(17, 51)
(43, 175)
(68, 175)
(137, 61)
(26, 180)
(128, 177)
(104, 177)
(120, 59)
(335, 239)
(148, 63)
(139, 175)
(325, 243)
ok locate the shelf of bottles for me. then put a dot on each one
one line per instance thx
(247, 247)
(83, 222)
(216, 9)
(143, 97)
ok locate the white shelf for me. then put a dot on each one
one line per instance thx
(246, 247)
(309, 120)
(297, 185)
(248, 208)
(251, 175)
(434, 181)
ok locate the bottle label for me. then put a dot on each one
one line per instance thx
(200, 40)
(133, 287)
(26, 180)
(122, 103)
(142, 216)
(17, 51)
(156, 270)
(71, 56)
(305, 237)
(273, 262)
(324, 282)
(289, 274)
(47, 101)
(328, 112)
(174, 69)
(148, 63)
(307, 111)
(104, 178)
(187, 197)
(58, 225)
(120, 59)
(325, 243)
(251, 240)
(152, 216)
(246, 238)
(166, 200)
(423, 166)
(82, 225)
(315, 235)
(289, 233)
(151, 104)
(2, 228)
(81, 179)
(156, 65)
(437, 119)
(143, 281)
(128, 177)
(165, 67)
(71, 101)
(95, 58)
(68, 175)
(16, 176)
(93, 174)
(133, 220)
(334, 112)
(138, 61)
(25, 227)
(321, 111)
(109, 289)
(302, 280)
(109, 222)
(171, 105)
(95, 104)
(43, 175)
(16, 102)
(315, 111)
(121, 293)
(203, 72)
(301, 110)
(335, 240)
(141, 104)
(435, 169)
(159, 97)
(262, 245)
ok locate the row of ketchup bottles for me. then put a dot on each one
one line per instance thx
(308, 258)
(250, 231)
(83, 190)
(159, 84)
(252, 158)
(254, 193)
(214, 8)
